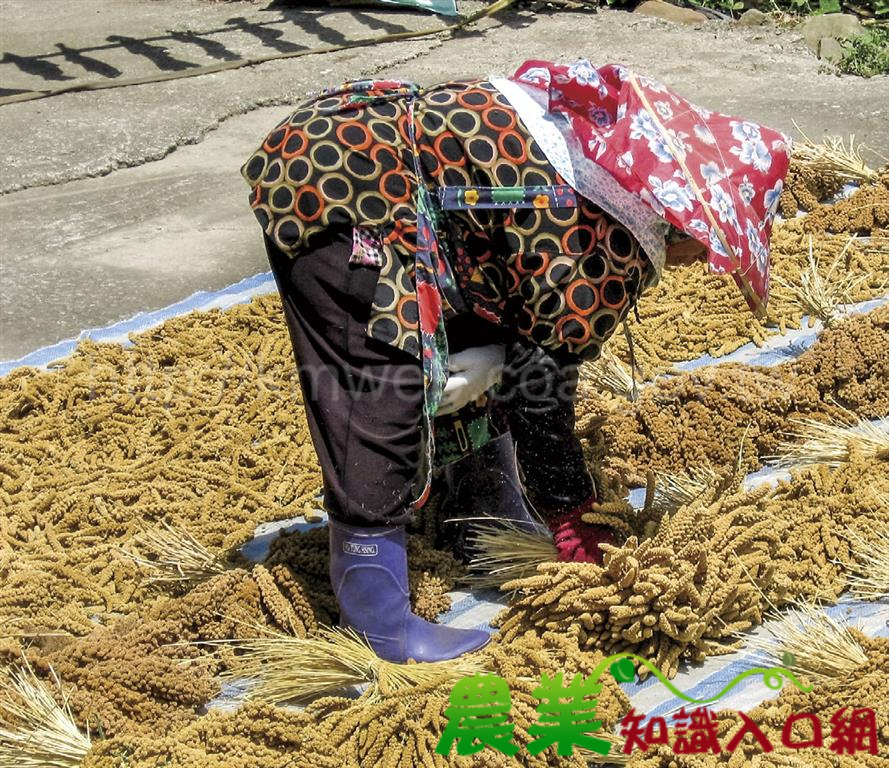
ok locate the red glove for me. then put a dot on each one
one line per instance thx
(577, 541)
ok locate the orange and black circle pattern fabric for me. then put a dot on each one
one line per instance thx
(565, 277)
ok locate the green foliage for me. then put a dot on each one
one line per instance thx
(868, 54)
(737, 7)
(878, 9)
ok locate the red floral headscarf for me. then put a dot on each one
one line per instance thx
(715, 177)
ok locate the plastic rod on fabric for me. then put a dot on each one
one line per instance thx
(480, 198)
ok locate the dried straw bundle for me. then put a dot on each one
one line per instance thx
(868, 564)
(506, 553)
(286, 668)
(615, 757)
(824, 296)
(509, 552)
(810, 642)
(832, 158)
(672, 491)
(174, 555)
(833, 443)
(35, 730)
(610, 374)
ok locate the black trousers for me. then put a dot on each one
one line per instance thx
(364, 398)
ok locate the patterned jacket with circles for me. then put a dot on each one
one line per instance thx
(563, 277)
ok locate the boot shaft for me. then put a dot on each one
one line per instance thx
(368, 571)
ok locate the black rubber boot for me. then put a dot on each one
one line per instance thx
(484, 488)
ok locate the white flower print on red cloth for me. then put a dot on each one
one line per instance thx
(717, 178)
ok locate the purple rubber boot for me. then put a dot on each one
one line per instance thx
(368, 570)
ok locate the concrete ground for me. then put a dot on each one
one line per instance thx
(128, 199)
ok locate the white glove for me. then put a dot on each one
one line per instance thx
(471, 373)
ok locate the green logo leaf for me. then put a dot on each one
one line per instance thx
(788, 659)
(623, 671)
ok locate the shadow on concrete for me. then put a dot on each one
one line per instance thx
(270, 38)
(35, 65)
(89, 63)
(213, 48)
(310, 18)
(157, 54)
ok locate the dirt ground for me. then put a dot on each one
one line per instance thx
(128, 199)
